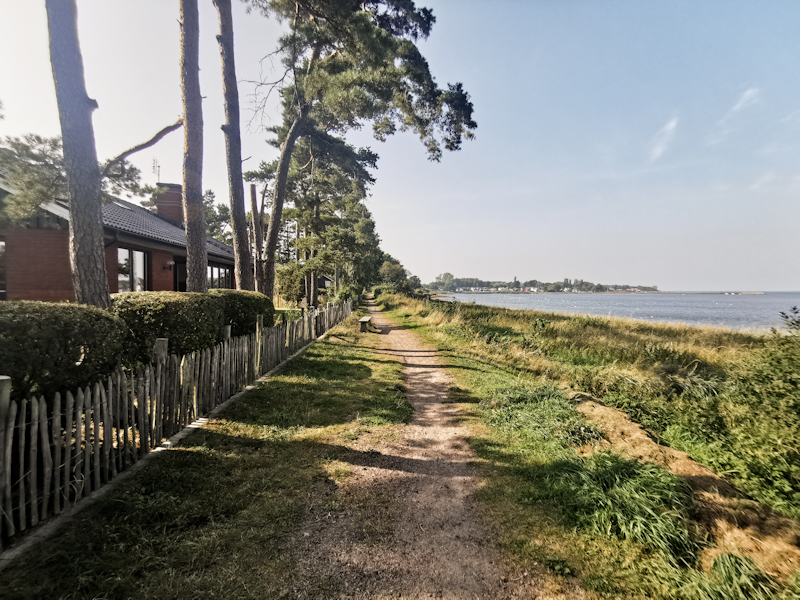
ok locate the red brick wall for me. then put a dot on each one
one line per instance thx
(111, 268)
(37, 262)
(37, 266)
(162, 279)
(170, 203)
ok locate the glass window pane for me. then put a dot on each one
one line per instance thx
(139, 280)
(210, 278)
(180, 278)
(124, 270)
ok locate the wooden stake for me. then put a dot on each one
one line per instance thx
(5, 402)
(21, 454)
(57, 448)
(97, 423)
(47, 459)
(10, 420)
(87, 441)
(68, 440)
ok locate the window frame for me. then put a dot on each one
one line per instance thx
(133, 275)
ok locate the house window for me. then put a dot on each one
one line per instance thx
(220, 276)
(131, 270)
(2, 268)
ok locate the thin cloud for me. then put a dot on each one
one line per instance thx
(663, 139)
(749, 97)
(746, 99)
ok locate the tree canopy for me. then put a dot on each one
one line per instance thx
(347, 63)
(33, 168)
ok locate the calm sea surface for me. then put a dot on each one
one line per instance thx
(744, 311)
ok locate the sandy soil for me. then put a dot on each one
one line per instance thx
(411, 528)
(736, 524)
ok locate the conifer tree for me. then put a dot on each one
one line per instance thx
(196, 254)
(350, 62)
(233, 147)
(75, 107)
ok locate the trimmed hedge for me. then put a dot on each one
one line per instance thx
(190, 321)
(241, 308)
(48, 347)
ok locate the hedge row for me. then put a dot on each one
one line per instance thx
(48, 347)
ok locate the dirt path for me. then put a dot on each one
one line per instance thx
(413, 529)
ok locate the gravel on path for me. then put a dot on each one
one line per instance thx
(423, 485)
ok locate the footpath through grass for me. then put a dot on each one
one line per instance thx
(212, 518)
(623, 527)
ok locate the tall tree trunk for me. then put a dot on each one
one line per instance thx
(276, 214)
(336, 278)
(86, 251)
(258, 238)
(233, 147)
(315, 253)
(306, 256)
(314, 286)
(196, 253)
(280, 185)
(297, 241)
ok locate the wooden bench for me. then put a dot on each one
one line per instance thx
(364, 321)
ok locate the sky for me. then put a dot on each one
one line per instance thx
(647, 143)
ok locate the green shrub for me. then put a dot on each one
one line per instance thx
(47, 347)
(384, 288)
(241, 309)
(290, 282)
(345, 292)
(190, 321)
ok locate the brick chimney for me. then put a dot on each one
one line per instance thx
(170, 201)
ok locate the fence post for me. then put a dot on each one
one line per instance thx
(226, 332)
(257, 358)
(5, 402)
(160, 349)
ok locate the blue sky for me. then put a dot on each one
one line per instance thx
(653, 143)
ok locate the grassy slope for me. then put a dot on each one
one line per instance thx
(211, 518)
(598, 519)
(731, 399)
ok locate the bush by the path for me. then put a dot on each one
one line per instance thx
(241, 308)
(190, 321)
(49, 347)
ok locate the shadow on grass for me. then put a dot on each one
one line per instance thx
(204, 520)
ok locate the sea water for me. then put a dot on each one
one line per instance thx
(735, 311)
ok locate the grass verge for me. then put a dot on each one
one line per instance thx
(622, 526)
(213, 517)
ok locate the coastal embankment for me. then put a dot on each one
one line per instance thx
(650, 459)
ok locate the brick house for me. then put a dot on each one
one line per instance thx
(144, 250)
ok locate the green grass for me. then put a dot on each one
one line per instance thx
(290, 314)
(622, 527)
(729, 398)
(213, 517)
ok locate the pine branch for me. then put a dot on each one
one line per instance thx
(151, 142)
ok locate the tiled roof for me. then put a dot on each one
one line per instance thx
(137, 220)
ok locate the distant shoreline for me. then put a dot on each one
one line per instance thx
(626, 292)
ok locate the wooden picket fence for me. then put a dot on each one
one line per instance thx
(54, 453)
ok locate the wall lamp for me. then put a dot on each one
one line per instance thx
(169, 266)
